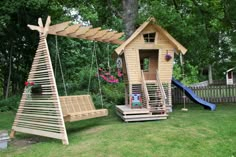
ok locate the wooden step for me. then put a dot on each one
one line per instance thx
(133, 118)
(124, 109)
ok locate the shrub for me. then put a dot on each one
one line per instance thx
(10, 103)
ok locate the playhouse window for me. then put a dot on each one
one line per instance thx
(149, 37)
(145, 64)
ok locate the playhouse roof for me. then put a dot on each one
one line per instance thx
(231, 69)
(177, 45)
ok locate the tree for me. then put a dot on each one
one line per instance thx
(130, 14)
(18, 43)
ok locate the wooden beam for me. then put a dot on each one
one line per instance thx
(69, 30)
(58, 27)
(46, 28)
(98, 35)
(89, 33)
(118, 42)
(114, 37)
(82, 30)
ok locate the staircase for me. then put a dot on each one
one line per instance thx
(156, 102)
(154, 94)
(136, 88)
(153, 102)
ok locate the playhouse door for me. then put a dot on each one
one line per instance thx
(149, 63)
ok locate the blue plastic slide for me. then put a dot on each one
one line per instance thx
(190, 94)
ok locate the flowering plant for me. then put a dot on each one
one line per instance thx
(31, 87)
(168, 57)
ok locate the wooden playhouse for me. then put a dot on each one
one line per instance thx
(147, 58)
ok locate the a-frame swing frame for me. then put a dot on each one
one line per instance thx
(41, 114)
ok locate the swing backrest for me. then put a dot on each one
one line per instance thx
(76, 103)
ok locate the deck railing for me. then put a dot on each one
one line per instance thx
(163, 94)
(144, 86)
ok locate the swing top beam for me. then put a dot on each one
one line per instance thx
(79, 31)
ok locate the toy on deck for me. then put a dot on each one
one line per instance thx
(136, 100)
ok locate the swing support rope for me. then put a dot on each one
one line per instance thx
(59, 60)
(94, 54)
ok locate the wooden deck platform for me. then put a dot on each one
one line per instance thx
(142, 114)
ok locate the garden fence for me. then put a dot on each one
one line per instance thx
(212, 93)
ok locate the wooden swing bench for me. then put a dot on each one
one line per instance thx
(80, 107)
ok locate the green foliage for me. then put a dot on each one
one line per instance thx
(114, 93)
(189, 76)
(10, 104)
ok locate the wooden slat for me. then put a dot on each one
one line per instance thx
(85, 32)
(89, 33)
(116, 36)
(58, 27)
(107, 36)
(38, 123)
(80, 31)
(98, 35)
(34, 115)
(69, 30)
(38, 132)
(41, 113)
(80, 107)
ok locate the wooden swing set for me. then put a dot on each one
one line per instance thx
(43, 113)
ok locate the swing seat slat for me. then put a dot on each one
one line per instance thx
(80, 107)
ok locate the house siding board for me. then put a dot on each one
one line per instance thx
(166, 67)
(131, 58)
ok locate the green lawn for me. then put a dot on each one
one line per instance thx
(196, 133)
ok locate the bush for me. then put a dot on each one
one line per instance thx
(114, 93)
(10, 104)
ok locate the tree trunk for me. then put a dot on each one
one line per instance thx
(9, 75)
(210, 80)
(130, 14)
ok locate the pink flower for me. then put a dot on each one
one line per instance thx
(31, 83)
(26, 83)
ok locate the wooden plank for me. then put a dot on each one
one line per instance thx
(38, 132)
(69, 30)
(58, 27)
(39, 108)
(39, 100)
(98, 35)
(34, 115)
(80, 31)
(40, 79)
(38, 123)
(89, 33)
(106, 36)
(145, 119)
(114, 37)
(127, 110)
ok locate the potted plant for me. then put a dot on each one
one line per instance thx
(33, 88)
(168, 57)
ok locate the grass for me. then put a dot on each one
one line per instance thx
(194, 133)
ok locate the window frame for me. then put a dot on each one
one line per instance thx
(149, 37)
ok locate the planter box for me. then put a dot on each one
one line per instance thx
(4, 138)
